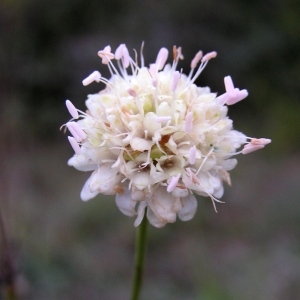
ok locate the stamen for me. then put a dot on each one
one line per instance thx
(173, 182)
(95, 76)
(251, 148)
(131, 92)
(261, 141)
(122, 53)
(229, 87)
(162, 119)
(240, 95)
(192, 155)
(72, 109)
(74, 145)
(176, 77)
(162, 57)
(188, 123)
(204, 160)
(209, 56)
(106, 55)
(196, 59)
(76, 131)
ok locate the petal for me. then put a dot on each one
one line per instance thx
(163, 205)
(141, 213)
(125, 204)
(153, 220)
(86, 193)
(82, 163)
(189, 208)
(104, 180)
(139, 144)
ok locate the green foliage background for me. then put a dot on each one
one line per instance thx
(65, 249)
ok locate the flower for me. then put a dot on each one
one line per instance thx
(155, 139)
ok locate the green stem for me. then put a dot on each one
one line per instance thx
(140, 246)
(7, 265)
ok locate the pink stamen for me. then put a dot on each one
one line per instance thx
(188, 123)
(76, 131)
(192, 155)
(162, 57)
(95, 76)
(209, 56)
(222, 99)
(240, 95)
(229, 87)
(173, 182)
(122, 53)
(74, 145)
(162, 119)
(261, 141)
(251, 148)
(196, 59)
(131, 92)
(72, 109)
(176, 77)
(106, 55)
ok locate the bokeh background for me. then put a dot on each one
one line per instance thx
(62, 248)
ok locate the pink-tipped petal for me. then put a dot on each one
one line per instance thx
(74, 145)
(72, 109)
(162, 57)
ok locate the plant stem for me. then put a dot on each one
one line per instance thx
(140, 246)
(7, 265)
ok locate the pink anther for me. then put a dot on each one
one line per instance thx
(74, 145)
(72, 109)
(209, 56)
(162, 57)
(95, 76)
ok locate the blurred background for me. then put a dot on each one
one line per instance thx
(61, 248)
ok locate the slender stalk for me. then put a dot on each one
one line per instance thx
(140, 246)
(7, 265)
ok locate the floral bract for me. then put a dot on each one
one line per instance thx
(155, 139)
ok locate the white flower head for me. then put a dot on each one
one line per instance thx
(155, 139)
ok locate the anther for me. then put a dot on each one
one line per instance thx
(74, 145)
(72, 109)
(95, 76)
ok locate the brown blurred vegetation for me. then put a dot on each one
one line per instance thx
(62, 248)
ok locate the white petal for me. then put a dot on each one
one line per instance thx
(141, 213)
(163, 205)
(153, 220)
(189, 208)
(82, 163)
(139, 144)
(104, 180)
(125, 204)
(86, 193)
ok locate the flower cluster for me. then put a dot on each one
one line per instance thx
(155, 139)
